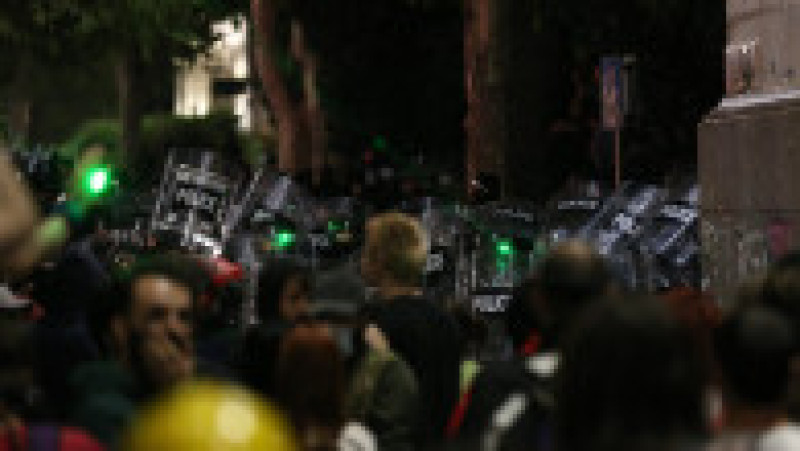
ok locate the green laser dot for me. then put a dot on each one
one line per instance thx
(97, 180)
(504, 248)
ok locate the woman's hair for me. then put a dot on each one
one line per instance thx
(630, 379)
(272, 281)
(310, 378)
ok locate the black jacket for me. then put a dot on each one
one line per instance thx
(428, 339)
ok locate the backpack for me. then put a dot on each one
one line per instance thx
(509, 408)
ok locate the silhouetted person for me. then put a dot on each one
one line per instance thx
(570, 277)
(19, 428)
(284, 290)
(629, 379)
(417, 329)
(150, 344)
(780, 289)
(310, 385)
(755, 347)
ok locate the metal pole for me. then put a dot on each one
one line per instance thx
(237, 210)
(617, 159)
(163, 190)
(250, 262)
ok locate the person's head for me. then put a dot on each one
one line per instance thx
(395, 251)
(284, 289)
(156, 316)
(162, 293)
(754, 348)
(570, 277)
(629, 379)
(310, 379)
(780, 287)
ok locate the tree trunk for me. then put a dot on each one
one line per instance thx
(314, 115)
(293, 119)
(130, 110)
(484, 67)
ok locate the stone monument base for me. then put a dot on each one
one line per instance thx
(749, 173)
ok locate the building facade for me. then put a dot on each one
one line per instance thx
(218, 80)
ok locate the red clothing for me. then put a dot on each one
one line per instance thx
(457, 417)
(69, 439)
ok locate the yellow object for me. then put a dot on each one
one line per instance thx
(469, 371)
(206, 416)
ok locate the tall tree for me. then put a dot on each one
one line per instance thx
(364, 68)
(32, 32)
(485, 67)
(132, 32)
(288, 69)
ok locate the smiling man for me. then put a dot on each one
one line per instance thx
(159, 325)
(148, 331)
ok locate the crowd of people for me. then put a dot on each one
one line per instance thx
(95, 357)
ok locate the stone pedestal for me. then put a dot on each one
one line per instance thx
(749, 169)
(749, 146)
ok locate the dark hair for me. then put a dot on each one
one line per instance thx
(115, 299)
(754, 347)
(781, 286)
(780, 289)
(272, 281)
(310, 378)
(629, 380)
(181, 270)
(571, 276)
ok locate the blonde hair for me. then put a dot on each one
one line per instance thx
(397, 244)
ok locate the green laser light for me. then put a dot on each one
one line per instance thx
(97, 180)
(284, 239)
(504, 248)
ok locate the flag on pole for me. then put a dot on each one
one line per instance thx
(612, 90)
